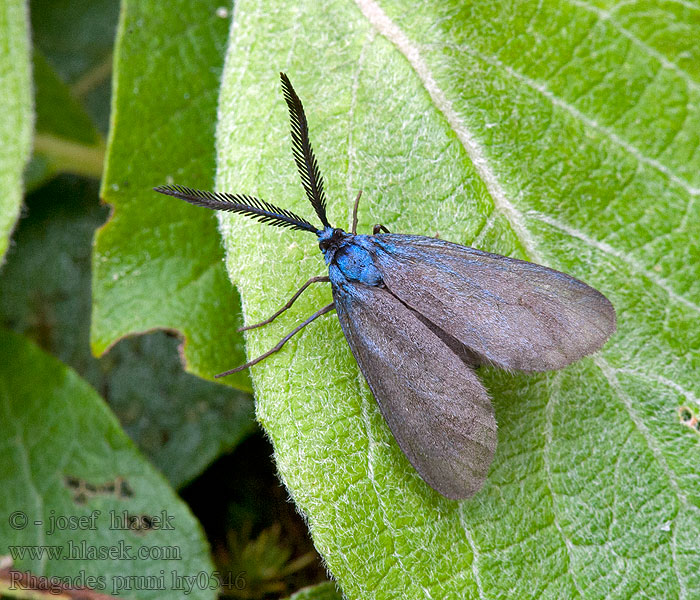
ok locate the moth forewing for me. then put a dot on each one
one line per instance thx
(436, 407)
(507, 312)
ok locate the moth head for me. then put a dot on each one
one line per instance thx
(329, 240)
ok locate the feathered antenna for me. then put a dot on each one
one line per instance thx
(303, 154)
(239, 203)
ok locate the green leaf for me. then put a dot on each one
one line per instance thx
(72, 58)
(66, 138)
(182, 423)
(563, 133)
(158, 262)
(78, 38)
(15, 113)
(321, 591)
(65, 457)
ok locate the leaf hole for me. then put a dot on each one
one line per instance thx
(83, 490)
(689, 418)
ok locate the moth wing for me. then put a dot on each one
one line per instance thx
(507, 312)
(435, 406)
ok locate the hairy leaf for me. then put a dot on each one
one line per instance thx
(70, 493)
(565, 133)
(321, 591)
(15, 113)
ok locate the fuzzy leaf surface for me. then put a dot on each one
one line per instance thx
(16, 114)
(564, 133)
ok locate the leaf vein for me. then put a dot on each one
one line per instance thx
(475, 555)
(577, 114)
(371, 442)
(548, 437)
(386, 27)
(26, 467)
(608, 249)
(609, 374)
(605, 15)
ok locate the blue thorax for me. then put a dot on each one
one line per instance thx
(349, 257)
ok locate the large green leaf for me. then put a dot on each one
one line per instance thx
(564, 133)
(158, 263)
(69, 474)
(15, 112)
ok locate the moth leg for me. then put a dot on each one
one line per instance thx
(379, 227)
(288, 305)
(354, 213)
(281, 343)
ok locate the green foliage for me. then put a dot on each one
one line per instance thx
(80, 463)
(72, 62)
(321, 591)
(262, 563)
(15, 113)
(66, 139)
(78, 36)
(158, 263)
(563, 133)
(181, 422)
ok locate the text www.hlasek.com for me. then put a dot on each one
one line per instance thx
(84, 551)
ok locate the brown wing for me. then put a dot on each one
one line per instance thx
(436, 407)
(507, 312)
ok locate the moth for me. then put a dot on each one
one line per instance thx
(420, 314)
